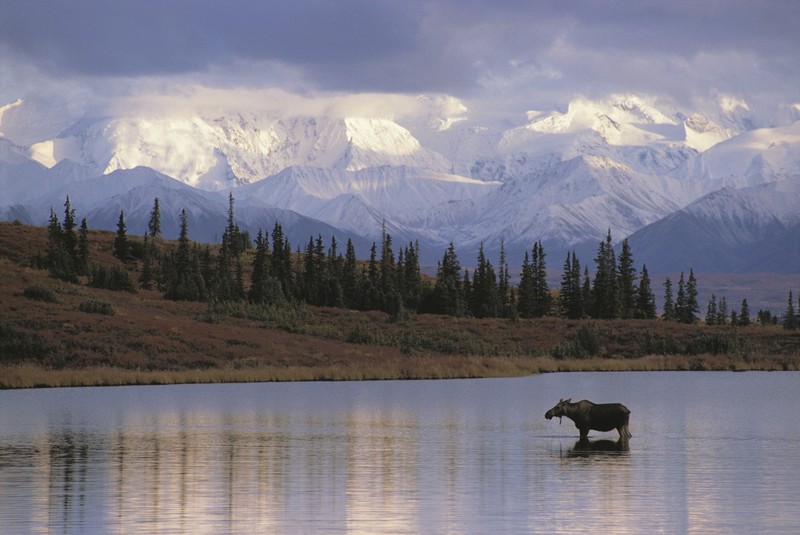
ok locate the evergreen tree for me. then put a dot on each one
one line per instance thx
(59, 263)
(541, 290)
(669, 306)
(183, 280)
(390, 300)
(744, 315)
(580, 298)
(231, 241)
(264, 288)
(54, 231)
(571, 292)
(605, 291)
(373, 296)
(350, 278)
(627, 282)
(154, 225)
(83, 249)
(447, 293)
(504, 309)
(680, 301)
(692, 309)
(722, 311)
(412, 277)
(69, 239)
(765, 317)
(586, 292)
(711, 311)
(121, 247)
(526, 300)
(467, 291)
(281, 260)
(645, 306)
(484, 301)
(790, 317)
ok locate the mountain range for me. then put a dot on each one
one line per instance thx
(715, 190)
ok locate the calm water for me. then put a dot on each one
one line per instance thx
(710, 453)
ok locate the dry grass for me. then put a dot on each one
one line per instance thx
(150, 340)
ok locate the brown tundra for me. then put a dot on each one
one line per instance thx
(588, 415)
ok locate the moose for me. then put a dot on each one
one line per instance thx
(588, 415)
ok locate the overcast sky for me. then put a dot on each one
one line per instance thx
(497, 57)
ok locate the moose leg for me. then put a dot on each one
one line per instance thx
(584, 432)
(624, 433)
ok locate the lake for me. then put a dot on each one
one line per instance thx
(710, 453)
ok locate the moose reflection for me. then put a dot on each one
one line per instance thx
(590, 448)
(588, 415)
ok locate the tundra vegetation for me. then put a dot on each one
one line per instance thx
(92, 307)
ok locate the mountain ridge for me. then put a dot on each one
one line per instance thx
(567, 177)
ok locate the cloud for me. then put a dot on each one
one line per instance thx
(499, 56)
(206, 101)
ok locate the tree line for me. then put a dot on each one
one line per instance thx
(323, 275)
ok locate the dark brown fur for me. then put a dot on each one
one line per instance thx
(588, 415)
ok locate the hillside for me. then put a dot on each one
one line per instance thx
(47, 338)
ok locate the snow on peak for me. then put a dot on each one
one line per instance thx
(619, 120)
(702, 133)
(376, 142)
(381, 135)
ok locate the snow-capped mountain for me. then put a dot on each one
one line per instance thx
(566, 177)
(755, 229)
(224, 152)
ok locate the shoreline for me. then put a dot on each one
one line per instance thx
(30, 376)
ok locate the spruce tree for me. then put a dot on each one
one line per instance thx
(69, 239)
(541, 289)
(154, 225)
(83, 249)
(527, 296)
(183, 280)
(645, 306)
(578, 299)
(308, 279)
(711, 311)
(412, 275)
(744, 314)
(390, 298)
(627, 282)
(669, 306)
(722, 311)
(447, 293)
(692, 308)
(121, 247)
(264, 289)
(605, 291)
(586, 292)
(571, 293)
(484, 301)
(680, 301)
(231, 240)
(504, 307)
(281, 260)
(790, 316)
(351, 283)
(59, 263)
